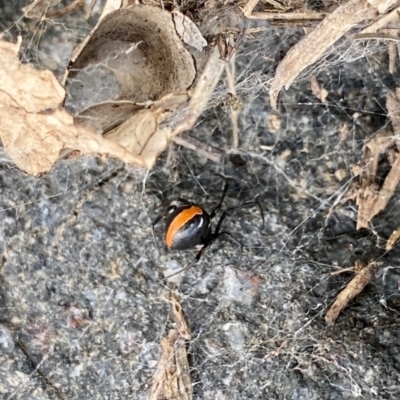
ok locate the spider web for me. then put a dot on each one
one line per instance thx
(82, 295)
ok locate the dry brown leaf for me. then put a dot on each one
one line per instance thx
(202, 92)
(138, 49)
(313, 46)
(188, 31)
(172, 378)
(370, 201)
(384, 20)
(356, 285)
(140, 135)
(317, 90)
(34, 127)
(24, 87)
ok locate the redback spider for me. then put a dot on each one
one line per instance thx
(188, 224)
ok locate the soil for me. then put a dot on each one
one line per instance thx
(83, 296)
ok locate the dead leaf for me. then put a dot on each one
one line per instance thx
(188, 31)
(24, 87)
(313, 46)
(140, 135)
(34, 127)
(172, 378)
(356, 285)
(202, 92)
(370, 201)
(140, 58)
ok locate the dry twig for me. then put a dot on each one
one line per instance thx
(198, 146)
(356, 285)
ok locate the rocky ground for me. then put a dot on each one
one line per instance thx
(83, 299)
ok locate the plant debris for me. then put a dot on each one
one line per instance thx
(314, 45)
(172, 378)
(370, 198)
(364, 276)
(394, 237)
(35, 129)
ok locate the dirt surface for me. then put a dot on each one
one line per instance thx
(83, 299)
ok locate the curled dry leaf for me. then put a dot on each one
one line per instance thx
(134, 55)
(313, 46)
(34, 128)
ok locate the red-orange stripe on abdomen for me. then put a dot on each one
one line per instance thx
(179, 221)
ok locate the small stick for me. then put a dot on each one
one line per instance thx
(288, 16)
(230, 77)
(376, 36)
(201, 148)
(356, 286)
(71, 8)
(249, 7)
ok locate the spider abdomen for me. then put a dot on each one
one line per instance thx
(186, 227)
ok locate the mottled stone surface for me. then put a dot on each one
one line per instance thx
(83, 299)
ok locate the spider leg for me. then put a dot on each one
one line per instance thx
(218, 206)
(229, 211)
(162, 215)
(213, 239)
(184, 201)
(181, 270)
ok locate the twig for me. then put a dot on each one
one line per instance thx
(356, 285)
(249, 7)
(392, 16)
(230, 77)
(198, 146)
(71, 8)
(288, 16)
(376, 36)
